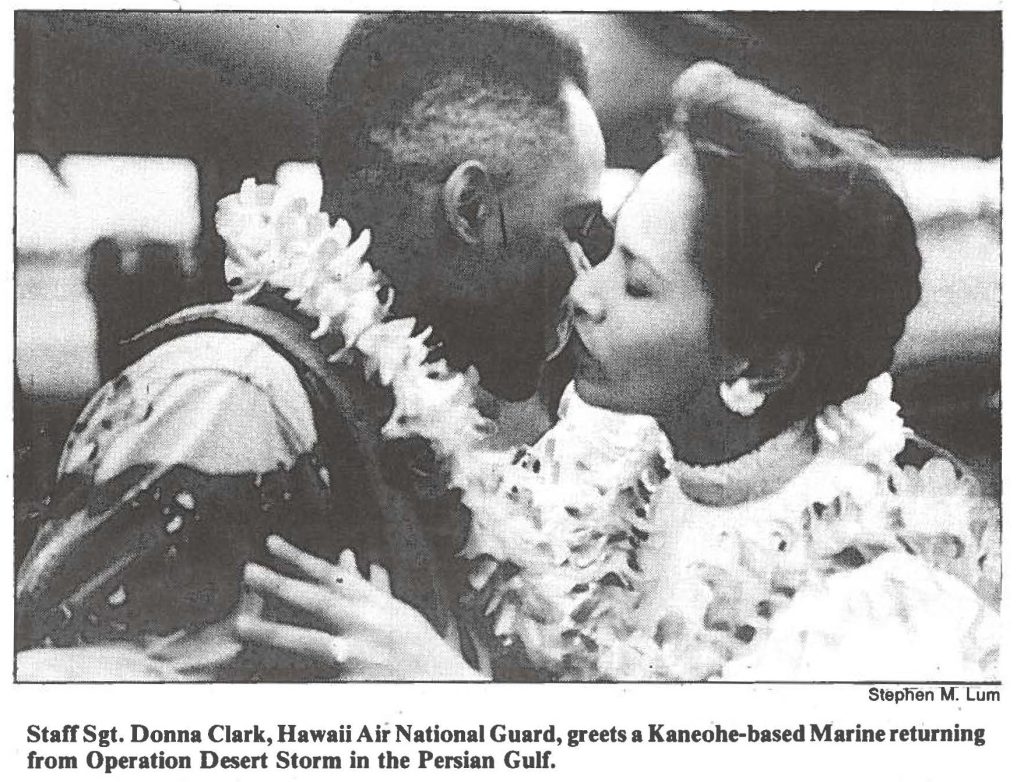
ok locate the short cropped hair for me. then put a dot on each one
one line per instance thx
(803, 241)
(413, 95)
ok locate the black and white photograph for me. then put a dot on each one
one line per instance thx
(507, 347)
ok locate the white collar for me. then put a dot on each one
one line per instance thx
(865, 429)
(753, 475)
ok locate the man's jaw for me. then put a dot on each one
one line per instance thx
(503, 341)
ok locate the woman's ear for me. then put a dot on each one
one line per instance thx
(749, 384)
(777, 372)
(467, 199)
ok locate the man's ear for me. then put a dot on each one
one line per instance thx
(467, 199)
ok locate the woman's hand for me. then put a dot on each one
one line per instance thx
(362, 630)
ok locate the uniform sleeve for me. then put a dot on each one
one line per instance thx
(170, 481)
(221, 403)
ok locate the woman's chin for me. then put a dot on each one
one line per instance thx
(590, 391)
(599, 393)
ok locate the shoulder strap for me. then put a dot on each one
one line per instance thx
(376, 519)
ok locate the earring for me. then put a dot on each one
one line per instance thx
(740, 398)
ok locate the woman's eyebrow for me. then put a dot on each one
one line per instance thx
(631, 258)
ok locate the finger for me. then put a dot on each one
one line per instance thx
(303, 641)
(380, 578)
(313, 567)
(249, 603)
(319, 600)
(347, 561)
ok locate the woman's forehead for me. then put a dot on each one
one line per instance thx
(657, 220)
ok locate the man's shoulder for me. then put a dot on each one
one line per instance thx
(245, 355)
(216, 401)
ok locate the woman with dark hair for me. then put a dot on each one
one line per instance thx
(762, 276)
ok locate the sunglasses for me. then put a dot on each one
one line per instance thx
(589, 234)
(593, 233)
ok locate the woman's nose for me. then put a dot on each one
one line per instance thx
(586, 304)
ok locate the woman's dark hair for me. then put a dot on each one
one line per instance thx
(803, 242)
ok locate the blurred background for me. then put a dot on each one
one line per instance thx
(129, 126)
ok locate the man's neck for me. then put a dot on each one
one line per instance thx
(515, 423)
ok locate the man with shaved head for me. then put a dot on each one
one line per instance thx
(469, 147)
(466, 144)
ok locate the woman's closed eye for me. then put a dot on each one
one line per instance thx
(637, 288)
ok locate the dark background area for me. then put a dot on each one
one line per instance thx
(239, 93)
(187, 85)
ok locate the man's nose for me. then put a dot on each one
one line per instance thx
(586, 303)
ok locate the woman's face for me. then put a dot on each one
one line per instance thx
(643, 316)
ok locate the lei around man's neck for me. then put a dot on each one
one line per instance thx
(277, 241)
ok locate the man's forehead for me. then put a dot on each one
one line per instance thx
(581, 120)
(585, 160)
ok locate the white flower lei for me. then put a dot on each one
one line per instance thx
(277, 239)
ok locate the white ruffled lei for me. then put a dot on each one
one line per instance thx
(555, 535)
(584, 594)
(866, 428)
